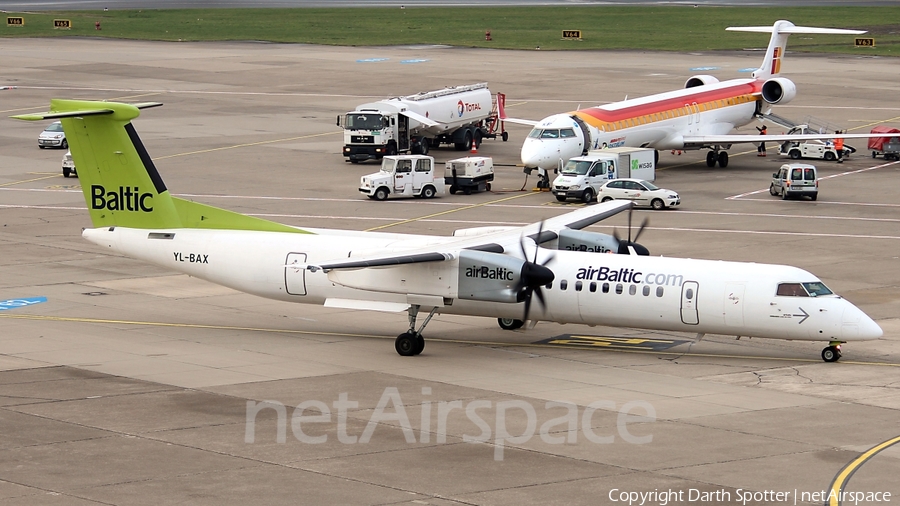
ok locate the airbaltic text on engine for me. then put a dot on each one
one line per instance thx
(625, 275)
(485, 272)
(125, 200)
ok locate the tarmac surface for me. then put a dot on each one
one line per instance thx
(131, 384)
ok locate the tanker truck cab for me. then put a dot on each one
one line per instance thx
(403, 175)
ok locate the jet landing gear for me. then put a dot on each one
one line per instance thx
(411, 342)
(715, 156)
(833, 352)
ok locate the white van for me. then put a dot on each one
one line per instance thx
(795, 180)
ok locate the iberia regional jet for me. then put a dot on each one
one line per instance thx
(493, 272)
(700, 116)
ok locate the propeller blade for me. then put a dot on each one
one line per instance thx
(641, 230)
(630, 210)
(527, 306)
(540, 296)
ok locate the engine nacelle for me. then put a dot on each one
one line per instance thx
(578, 240)
(489, 276)
(699, 81)
(779, 90)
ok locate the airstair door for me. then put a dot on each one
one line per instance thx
(689, 313)
(295, 277)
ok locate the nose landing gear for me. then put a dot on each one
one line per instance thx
(411, 342)
(833, 352)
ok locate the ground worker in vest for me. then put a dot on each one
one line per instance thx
(839, 147)
(761, 150)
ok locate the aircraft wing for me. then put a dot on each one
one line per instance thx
(498, 242)
(518, 121)
(700, 141)
(421, 119)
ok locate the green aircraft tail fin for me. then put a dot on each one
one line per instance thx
(120, 182)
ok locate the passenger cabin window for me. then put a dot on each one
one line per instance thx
(563, 285)
(578, 286)
(605, 287)
(566, 133)
(619, 289)
(632, 290)
(659, 291)
(593, 286)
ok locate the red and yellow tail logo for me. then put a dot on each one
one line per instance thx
(776, 60)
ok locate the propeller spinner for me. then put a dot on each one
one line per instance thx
(623, 245)
(534, 276)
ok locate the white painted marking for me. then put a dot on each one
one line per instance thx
(840, 174)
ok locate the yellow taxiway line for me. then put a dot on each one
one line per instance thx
(837, 486)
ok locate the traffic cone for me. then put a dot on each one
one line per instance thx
(474, 150)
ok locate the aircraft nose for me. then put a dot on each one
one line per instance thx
(857, 325)
(535, 154)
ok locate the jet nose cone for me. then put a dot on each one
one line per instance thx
(534, 154)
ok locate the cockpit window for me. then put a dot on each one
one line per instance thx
(566, 132)
(535, 134)
(550, 133)
(816, 289)
(791, 290)
(574, 167)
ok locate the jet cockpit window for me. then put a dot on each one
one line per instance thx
(791, 290)
(535, 133)
(365, 122)
(566, 132)
(550, 133)
(816, 289)
(576, 167)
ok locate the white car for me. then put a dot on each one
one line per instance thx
(53, 137)
(642, 193)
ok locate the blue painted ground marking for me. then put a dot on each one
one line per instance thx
(17, 303)
(413, 61)
(695, 69)
(748, 69)
(371, 60)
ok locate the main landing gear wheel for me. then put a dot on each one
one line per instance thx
(711, 159)
(407, 343)
(831, 353)
(510, 323)
(723, 159)
(411, 342)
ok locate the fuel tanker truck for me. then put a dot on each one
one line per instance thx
(461, 116)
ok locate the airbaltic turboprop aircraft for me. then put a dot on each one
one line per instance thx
(492, 271)
(699, 116)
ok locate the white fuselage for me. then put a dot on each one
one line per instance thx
(658, 121)
(657, 293)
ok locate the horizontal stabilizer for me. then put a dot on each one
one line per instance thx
(795, 29)
(78, 114)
